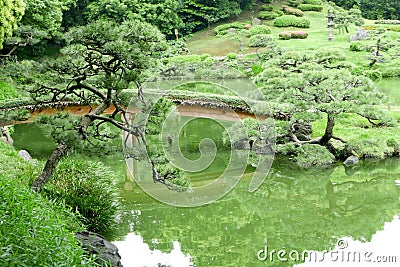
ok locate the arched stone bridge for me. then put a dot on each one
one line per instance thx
(187, 107)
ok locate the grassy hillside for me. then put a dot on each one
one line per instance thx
(207, 42)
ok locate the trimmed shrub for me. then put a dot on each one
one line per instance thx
(395, 28)
(291, 20)
(85, 187)
(260, 29)
(299, 35)
(267, 8)
(285, 35)
(259, 40)
(293, 3)
(292, 11)
(308, 7)
(223, 29)
(293, 35)
(387, 21)
(312, 2)
(231, 56)
(269, 15)
(356, 47)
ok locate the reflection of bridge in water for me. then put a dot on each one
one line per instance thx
(219, 112)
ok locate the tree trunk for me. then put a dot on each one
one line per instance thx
(50, 167)
(62, 149)
(328, 130)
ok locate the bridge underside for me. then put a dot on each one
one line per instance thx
(183, 110)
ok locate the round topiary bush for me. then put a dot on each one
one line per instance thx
(85, 187)
(260, 29)
(259, 40)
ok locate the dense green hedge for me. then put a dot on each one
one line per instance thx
(291, 21)
(269, 15)
(293, 3)
(260, 29)
(308, 7)
(292, 11)
(267, 8)
(388, 21)
(312, 2)
(395, 28)
(293, 35)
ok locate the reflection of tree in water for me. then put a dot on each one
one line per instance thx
(294, 209)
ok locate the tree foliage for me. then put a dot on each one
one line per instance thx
(185, 15)
(374, 9)
(11, 12)
(163, 14)
(101, 60)
(306, 85)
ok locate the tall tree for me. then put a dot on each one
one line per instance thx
(163, 14)
(11, 12)
(102, 59)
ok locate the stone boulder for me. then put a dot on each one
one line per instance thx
(351, 161)
(25, 155)
(263, 147)
(5, 135)
(242, 144)
(96, 244)
(361, 34)
(302, 130)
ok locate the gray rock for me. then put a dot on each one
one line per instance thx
(262, 146)
(361, 34)
(25, 155)
(351, 161)
(256, 22)
(96, 244)
(242, 144)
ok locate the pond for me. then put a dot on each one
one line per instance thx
(391, 88)
(339, 210)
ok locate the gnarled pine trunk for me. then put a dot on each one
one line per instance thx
(50, 167)
(62, 149)
(328, 130)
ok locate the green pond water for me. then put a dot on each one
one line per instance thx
(391, 88)
(295, 210)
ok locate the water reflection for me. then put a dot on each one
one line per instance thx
(135, 253)
(295, 209)
(382, 249)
